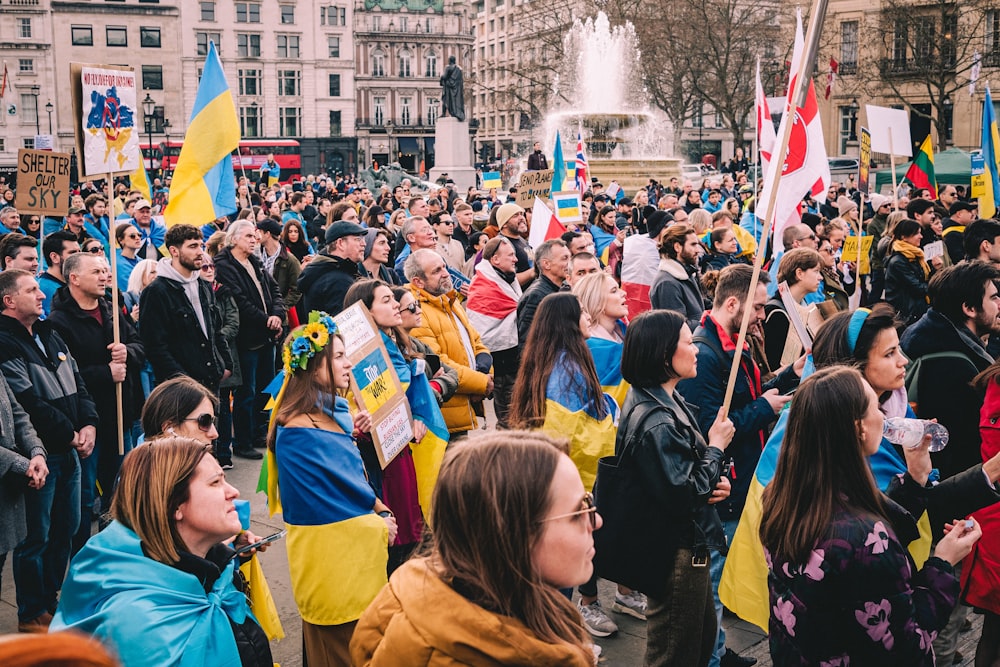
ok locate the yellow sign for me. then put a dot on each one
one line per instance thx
(850, 252)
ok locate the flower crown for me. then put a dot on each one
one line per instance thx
(305, 341)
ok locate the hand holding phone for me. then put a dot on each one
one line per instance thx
(246, 548)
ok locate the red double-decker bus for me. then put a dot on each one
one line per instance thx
(252, 154)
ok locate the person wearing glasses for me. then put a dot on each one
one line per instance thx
(129, 241)
(833, 288)
(512, 525)
(161, 584)
(82, 315)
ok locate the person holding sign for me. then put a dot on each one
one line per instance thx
(800, 270)
(316, 478)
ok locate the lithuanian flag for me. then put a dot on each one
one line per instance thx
(921, 172)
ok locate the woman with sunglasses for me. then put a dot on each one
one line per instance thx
(445, 380)
(160, 585)
(129, 242)
(512, 525)
(93, 246)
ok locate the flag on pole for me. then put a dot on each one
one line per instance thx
(921, 171)
(831, 77)
(805, 168)
(139, 180)
(582, 168)
(544, 225)
(3, 82)
(203, 186)
(766, 138)
(559, 166)
(990, 201)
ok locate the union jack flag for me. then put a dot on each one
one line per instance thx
(582, 176)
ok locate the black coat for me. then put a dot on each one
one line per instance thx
(88, 341)
(253, 313)
(906, 287)
(325, 281)
(540, 288)
(172, 336)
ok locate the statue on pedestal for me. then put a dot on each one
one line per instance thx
(453, 93)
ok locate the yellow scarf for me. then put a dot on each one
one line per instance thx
(912, 253)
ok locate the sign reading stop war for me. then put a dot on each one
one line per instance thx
(42, 182)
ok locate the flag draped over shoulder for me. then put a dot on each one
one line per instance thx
(990, 201)
(608, 362)
(491, 307)
(203, 187)
(921, 171)
(602, 243)
(558, 166)
(640, 263)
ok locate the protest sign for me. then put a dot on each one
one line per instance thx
(978, 176)
(792, 310)
(374, 383)
(850, 251)
(105, 116)
(491, 179)
(43, 182)
(533, 184)
(567, 205)
(890, 130)
(865, 160)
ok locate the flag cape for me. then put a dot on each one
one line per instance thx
(582, 168)
(921, 171)
(328, 509)
(608, 362)
(589, 436)
(544, 225)
(491, 307)
(602, 241)
(558, 166)
(203, 186)
(990, 201)
(640, 263)
(743, 587)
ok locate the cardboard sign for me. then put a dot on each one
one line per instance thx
(978, 176)
(533, 184)
(567, 205)
(106, 119)
(792, 309)
(890, 130)
(374, 383)
(43, 182)
(932, 250)
(865, 160)
(491, 179)
(849, 252)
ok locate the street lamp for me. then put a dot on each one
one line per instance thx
(854, 119)
(947, 105)
(49, 107)
(34, 93)
(166, 152)
(148, 107)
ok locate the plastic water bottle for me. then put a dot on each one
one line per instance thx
(908, 433)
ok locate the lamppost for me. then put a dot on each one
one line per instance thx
(49, 108)
(34, 93)
(388, 131)
(854, 120)
(166, 153)
(947, 106)
(148, 107)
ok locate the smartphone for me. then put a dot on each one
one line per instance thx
(434, 362)
(267, 540)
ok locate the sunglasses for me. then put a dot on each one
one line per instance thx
(96, 250)
(132, 236)
(205, 421)
(207, 265)
(413, 308)
(589, 508)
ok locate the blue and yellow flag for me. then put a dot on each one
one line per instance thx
(990, 201)
(203, 186)
(558, 166)
(602, 243)
(139, 180)
(743, 588)
(608, 362)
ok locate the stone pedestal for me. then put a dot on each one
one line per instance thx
(453, 153)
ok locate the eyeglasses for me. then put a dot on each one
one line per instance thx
(829, 251)
(132, 236)
(205, 421)
(96, 250)
(446, 222)
(413, 308)
(589, 508)
(207, 265)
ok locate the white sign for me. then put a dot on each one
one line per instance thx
(355, 328)
(932, 250)
(109, 121)
(394, 431)
(44, 142)
(890, 130)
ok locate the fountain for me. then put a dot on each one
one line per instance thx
(624, 139)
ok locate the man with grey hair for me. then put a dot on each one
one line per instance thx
(552, 266)
(10, 220)
(447, 331)
(416, 233)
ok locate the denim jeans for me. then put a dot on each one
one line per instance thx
(88, 499)
(718, 562)
(224, 445)
(53, 515)
(257, 367)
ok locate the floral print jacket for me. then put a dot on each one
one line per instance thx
(858, 600)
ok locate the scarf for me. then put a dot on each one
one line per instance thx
(912, 253)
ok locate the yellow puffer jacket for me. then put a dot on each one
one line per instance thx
(439, 334)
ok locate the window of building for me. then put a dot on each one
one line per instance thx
(152, 77)
(149, 38)
(289, 121)
(405, 60)
(82, 35)
(24, 28)
(848, 47)
(404, 23)
(250, 81)
(431, 64)
(28, 110)
(378, 63)
(899, 38)
(335, 126)
(333, 46)
(248, 12)
(250, 121)
(28, 142)
(116, 35)
(334, 85)
(247, 45)
(844, 128)
(378, 104)
(404, 110)
(26, 65)
(332, 16)
(288, 46)
(429, 25)
(924, 45)
(287, 14)
(3, 145)
(433, 107)
(377, 23)
(289, 82)
(207, 11)
(203, 38)
(993, 33)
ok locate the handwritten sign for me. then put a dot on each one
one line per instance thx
(533, 184)
(43, 182)
(374, 383)
(106, 118)
(978, 164)
(850, 251)
(865, 160)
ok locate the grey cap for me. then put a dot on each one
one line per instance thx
(342, 228)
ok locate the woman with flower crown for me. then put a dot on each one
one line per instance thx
(316, 478)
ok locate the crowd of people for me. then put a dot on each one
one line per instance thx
(616, 451)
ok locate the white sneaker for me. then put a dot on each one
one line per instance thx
(633, 604)
(596, 620)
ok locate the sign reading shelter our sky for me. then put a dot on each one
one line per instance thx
(108, 116)
(43, 182)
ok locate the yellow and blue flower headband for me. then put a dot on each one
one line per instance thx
(306, 341)
(858, 319)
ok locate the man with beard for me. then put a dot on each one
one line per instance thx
(676, 285)
(446, 330)
(513, 226)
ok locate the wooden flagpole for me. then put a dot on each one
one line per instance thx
(798, 96)
(115, 312)
(892, 170)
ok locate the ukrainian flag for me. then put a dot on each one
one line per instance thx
(743, 588)
(602, 243)
(559, 166)
(608, 362)
(990, 200)
(203, 186)
(139, 180)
